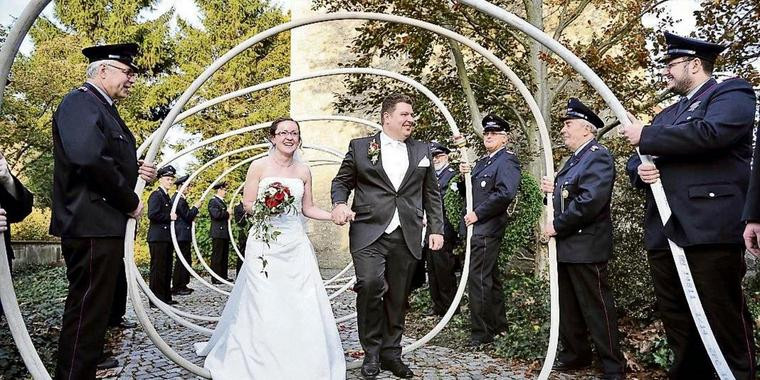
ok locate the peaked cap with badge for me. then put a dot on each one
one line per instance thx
(124, 53)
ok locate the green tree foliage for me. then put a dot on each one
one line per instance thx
(56, 66)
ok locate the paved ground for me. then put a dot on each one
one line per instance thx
(140, 359)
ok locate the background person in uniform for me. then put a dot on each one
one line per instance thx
(183, 220)
(94, 175)
(159, 236)
(702, 149)
(495, 180)
(442, 264)
(220, 237)
(15, 204)
(582, 192)
(241, 219)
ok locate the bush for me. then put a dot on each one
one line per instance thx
(41, 293)
(34, 227)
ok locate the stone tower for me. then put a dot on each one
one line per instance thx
(317, 47)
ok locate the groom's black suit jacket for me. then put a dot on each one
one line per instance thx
(375, 198)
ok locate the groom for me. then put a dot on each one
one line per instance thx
(395, 185)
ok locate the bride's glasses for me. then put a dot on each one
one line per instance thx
(284, 134)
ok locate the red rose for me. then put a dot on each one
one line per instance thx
(279, 196)
(271, 203)
(286, 190)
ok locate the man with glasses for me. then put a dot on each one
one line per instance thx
(495, 179)
(581, 194)
(94, 175)
(701, 148)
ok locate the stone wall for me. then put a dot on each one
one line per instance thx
(36, 253)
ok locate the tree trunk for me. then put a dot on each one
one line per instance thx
(535, 13)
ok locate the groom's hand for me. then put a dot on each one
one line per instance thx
(341, 214)
(435, 242)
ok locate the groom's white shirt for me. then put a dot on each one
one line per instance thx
(395, 163)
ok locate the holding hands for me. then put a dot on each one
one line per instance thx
(342, 214)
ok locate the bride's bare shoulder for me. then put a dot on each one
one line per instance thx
(257, 166)
(303, 170)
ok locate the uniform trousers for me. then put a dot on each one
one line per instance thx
(180, 276)
(441, 265)
(119, 307)
(488, 315)
(588, 308)
(161, 254)
(220, 251)
(242, 240)
(717, 271)
(92, 265)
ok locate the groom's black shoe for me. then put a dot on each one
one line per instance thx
(397, 367)
(370, 368)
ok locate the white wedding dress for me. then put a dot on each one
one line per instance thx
(279, 327)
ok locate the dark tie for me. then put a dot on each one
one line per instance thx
(682, 104)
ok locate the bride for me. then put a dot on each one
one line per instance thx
(279, 325)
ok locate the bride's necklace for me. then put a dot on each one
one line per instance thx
(281, 165)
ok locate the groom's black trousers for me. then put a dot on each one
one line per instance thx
(383, 278)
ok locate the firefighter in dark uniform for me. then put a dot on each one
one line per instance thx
(159, 236)
(220, 236)
(702, 147)
(752, 208)
(15, 204)
(244, 224)
(495, 181)
(441, 264)
(94, 175)
(582, 192)
(183, 220)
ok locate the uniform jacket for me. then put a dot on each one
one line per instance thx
(95, 167)
(703, 154)
(495, 181)
(159, 215)
(376, 199)
(185, 217)
(752, 206)
(217, 209)
(16, 209)
(444, 178)
(581, 199)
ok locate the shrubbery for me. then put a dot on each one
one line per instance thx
(41, 295)
(34, 227)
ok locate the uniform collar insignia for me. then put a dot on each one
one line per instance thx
(594, 148)
(694, 106)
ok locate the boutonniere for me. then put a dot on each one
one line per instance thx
(694, 106)
(373, 152)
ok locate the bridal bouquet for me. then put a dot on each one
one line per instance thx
(272, 201)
